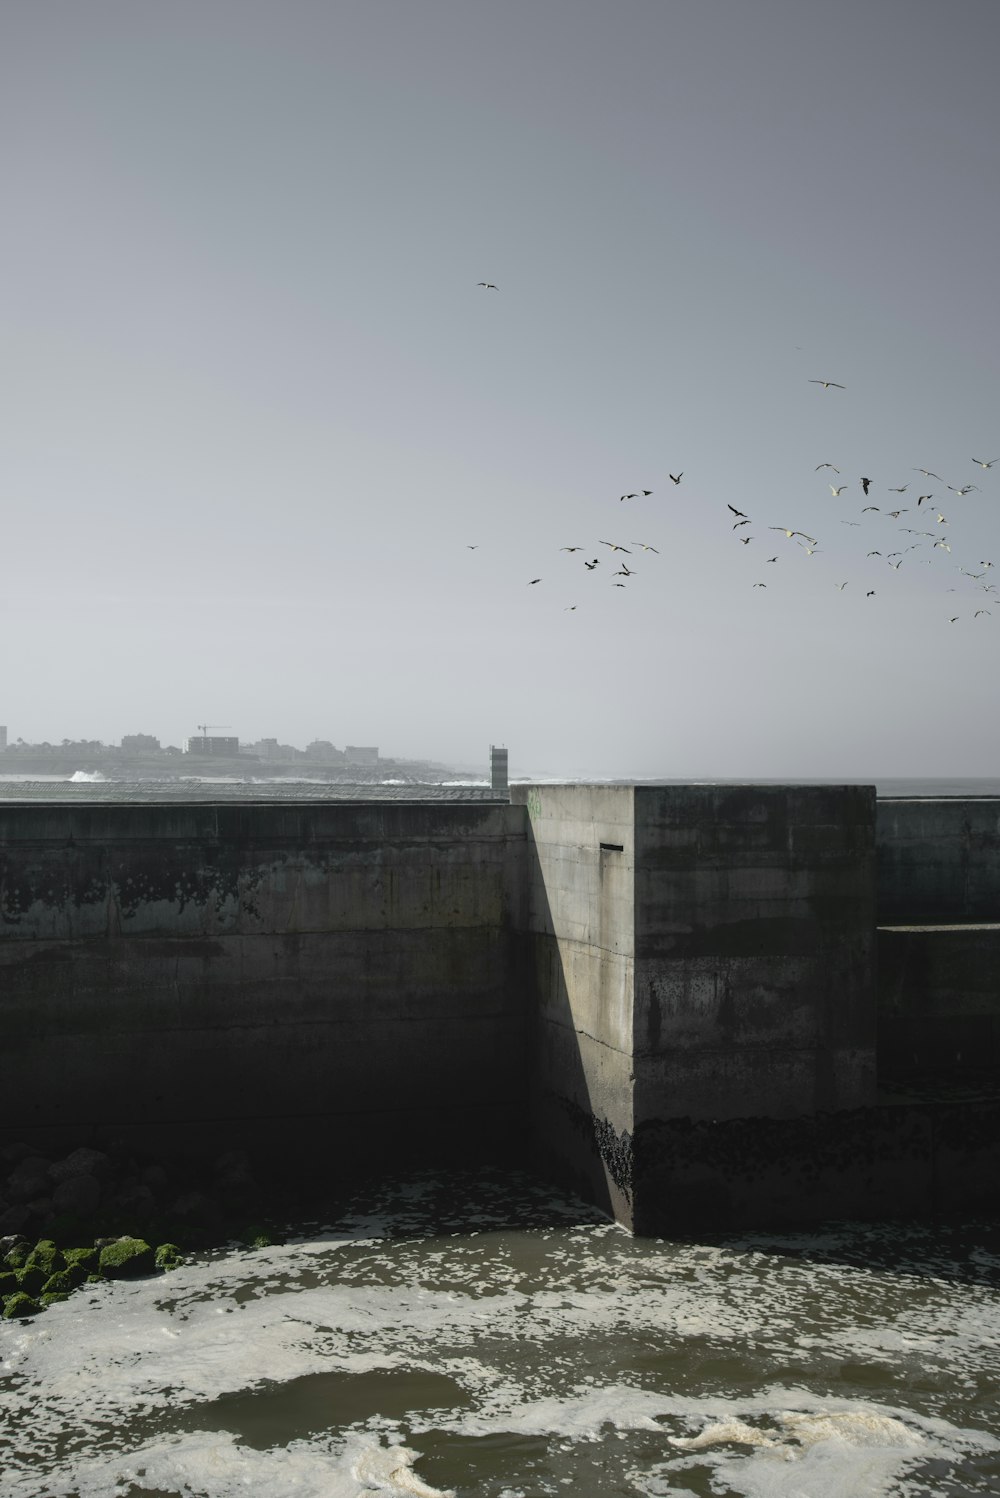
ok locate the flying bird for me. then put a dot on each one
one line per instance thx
(771, 559)
(901, 490)
(922, 497)
(828, 384)
(571, 548)
(871, 507)
(874, 553)
(614, 547)
(739, 523)
(986, 465)
(981, 611)
(534, 580)
(634, 495)
(825, 465)
(489, 286)
(838, 492)
(764, 585)
(851, 522)
(895, 514)
(591, 565)
(647, 492)
(928, 475)
(745, 540)
(645, 547)
(623, 572)
(841, 586)
(941, 520)
(676, 477)
(864, 485)
(737, 512)
(790, 534)
(954, 619)
(870, 593)
(569, 608)
(967, 490)
(471, 548)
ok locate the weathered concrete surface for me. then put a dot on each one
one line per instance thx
(349, 966)
(580, 922)
(938, 861)
(700, 953)
(754, 911)
(885, 1161)
(939, 1000)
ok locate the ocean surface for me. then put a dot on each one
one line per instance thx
(84, 786)
(494, 1339)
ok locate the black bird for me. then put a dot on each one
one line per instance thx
(635, 495)
(676, 477)
(739, 523)
(534, 580)
(825, 465)
(736, 512)
(488, 285)
(571, 548)
(828, 384)
(591, 565)
(864, 485)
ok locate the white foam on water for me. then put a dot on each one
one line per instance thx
(101, 1369)
(82, 777)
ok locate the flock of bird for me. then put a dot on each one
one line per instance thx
(933, 541)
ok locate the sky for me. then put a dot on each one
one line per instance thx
(255, 409)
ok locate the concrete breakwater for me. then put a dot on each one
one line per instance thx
(724, 1003)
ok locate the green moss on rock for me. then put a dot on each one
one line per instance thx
(83, 1259)
(45, 1255)
(60, 1283)
(49, 1297)
(125, 1258)
(19, 1305)
(94, 1279)
(31, 1279)
(18, 1255)
(168, 1256)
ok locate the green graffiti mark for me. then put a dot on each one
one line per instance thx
(534, 804)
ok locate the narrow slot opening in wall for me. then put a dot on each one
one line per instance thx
(612, 847)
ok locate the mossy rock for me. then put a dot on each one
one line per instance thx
(81, 1260)
(49, 1297)
(168, 1256)
(45, 1255)
(94, 1279)
(17, 1306)
(125, 1258)
(257, 1237)
(18, 1255)
(31, 1279)
(60, 1283)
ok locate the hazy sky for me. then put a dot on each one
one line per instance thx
(255, 408)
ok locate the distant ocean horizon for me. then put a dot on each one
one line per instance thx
(83, 785)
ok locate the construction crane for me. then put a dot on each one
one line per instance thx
(204, 727)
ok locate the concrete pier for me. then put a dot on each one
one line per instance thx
(686, 1001)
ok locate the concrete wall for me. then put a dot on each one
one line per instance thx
(581, 932)
(939, 1001)
(755, 984)
(700, 953)
(938, 861)
(347, 967)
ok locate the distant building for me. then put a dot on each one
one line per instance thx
(3, 735)
(210, 744)
(322, 749)
(361, 754)
(137, 743)
(498, 771)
